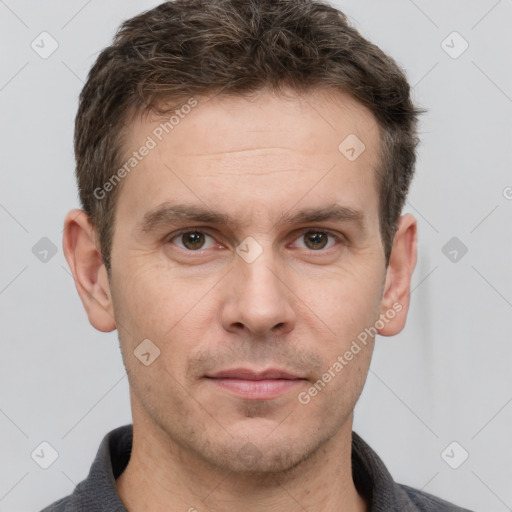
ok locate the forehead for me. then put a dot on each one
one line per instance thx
(317, 120)
(242, 154)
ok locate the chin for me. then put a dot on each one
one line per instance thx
(259, 453)
(251, 460)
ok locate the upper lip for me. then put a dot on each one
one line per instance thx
(248, 374)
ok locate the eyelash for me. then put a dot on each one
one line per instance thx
(339, 238)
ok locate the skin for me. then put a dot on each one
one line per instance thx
(298, 306)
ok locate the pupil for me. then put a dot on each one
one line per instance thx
(193, 240)
(317, 239)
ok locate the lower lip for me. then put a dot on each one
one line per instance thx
(265, 389)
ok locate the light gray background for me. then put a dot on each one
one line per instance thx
(445, 378)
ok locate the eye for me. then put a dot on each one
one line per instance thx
(317, 239)
(191, 240)
(195, 240)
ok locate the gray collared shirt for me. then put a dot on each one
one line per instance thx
(97, 493)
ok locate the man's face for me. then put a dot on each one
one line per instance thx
(256, 293)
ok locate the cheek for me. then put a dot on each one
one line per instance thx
(153, 306)
(344, 301)
(334, 394)
(146, 304)
(174, 312)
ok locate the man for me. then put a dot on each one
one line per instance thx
(242, 168)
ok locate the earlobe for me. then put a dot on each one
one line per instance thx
(396, 295)
(86, 264)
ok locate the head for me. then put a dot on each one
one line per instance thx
(284, 142)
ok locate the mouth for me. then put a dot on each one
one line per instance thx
(256, 385)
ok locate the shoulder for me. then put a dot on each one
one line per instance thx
(97, 492)
(57, 506)
(72, 504)
(429, 503)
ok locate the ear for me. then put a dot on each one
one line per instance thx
(396, 294)
(90, 275)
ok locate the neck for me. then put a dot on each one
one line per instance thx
(162, 475)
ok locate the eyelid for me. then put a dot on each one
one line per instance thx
(339, 237)
(176, 234)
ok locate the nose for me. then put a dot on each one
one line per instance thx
(259, 299)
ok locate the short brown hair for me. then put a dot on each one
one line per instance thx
(187, 48)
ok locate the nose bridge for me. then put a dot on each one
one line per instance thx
(261, 274)
(262, 300)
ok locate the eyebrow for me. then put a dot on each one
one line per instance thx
(173, 213)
